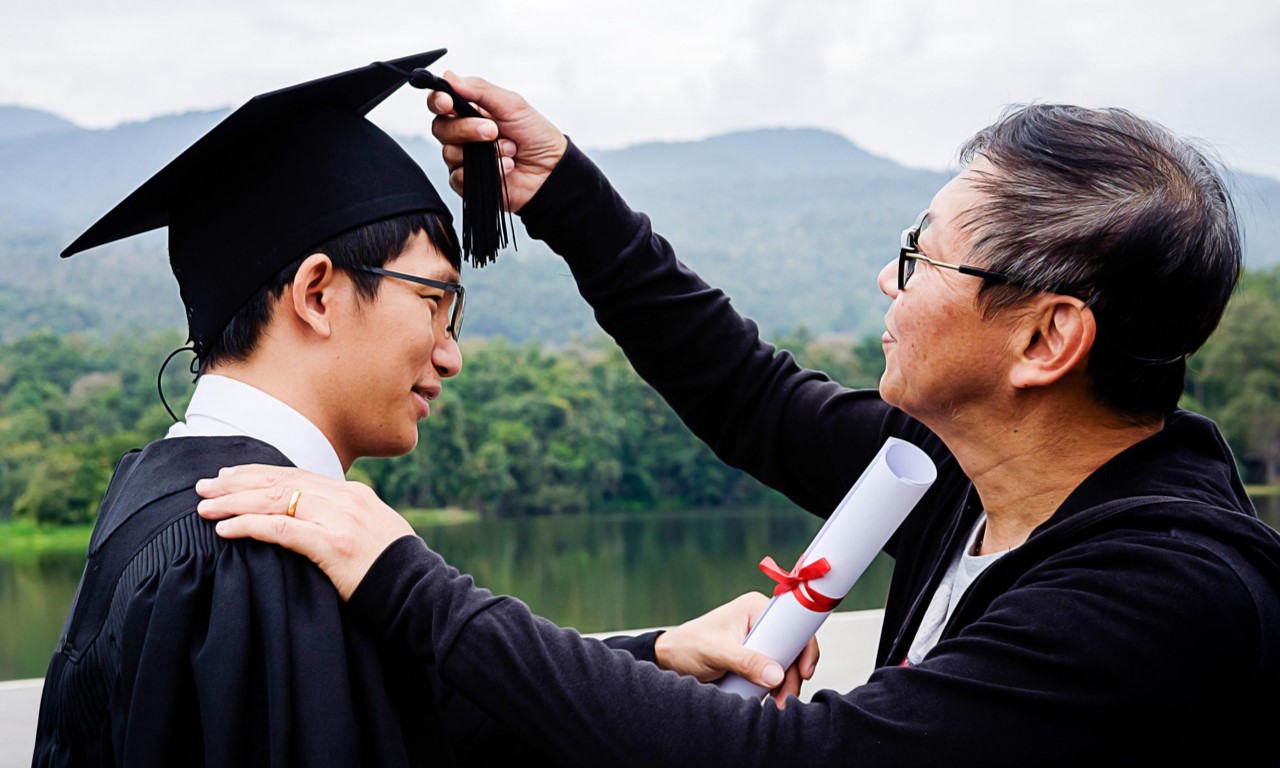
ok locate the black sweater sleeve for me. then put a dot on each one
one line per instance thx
(794, 429)
(1006, 691)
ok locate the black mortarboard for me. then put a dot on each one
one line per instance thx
(284, 173)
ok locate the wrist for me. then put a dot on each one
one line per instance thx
(661, 643)
(579, 215)
(555, 153)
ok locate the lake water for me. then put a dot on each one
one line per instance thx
(595, 573)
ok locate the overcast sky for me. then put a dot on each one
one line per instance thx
(910, 79)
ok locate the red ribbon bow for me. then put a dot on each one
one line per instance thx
(796, 581)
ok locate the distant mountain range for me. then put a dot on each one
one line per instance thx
(793, 223)
(23, 123)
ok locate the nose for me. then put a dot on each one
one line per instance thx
(888, 279)
(446, 356)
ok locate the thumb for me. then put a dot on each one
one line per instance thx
(756, 667)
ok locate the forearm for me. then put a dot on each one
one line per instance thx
(1009, 677)
(575, 696)
(587, 704)
(793, 429)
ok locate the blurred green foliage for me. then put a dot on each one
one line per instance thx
(527, 429)
(69, 408)
(1235, 378)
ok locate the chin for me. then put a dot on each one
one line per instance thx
(391, 448)
(405, 447)
(887, 391)
(892, 393)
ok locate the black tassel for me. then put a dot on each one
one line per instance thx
(486, 225)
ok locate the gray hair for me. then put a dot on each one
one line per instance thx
(1120, 212)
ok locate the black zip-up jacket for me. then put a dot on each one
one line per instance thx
(1139, 625)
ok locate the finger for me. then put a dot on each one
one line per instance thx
(489, 98)
(247, 477)
(807, 662)
(440, 103)
(452, 154)
(779, 699)
(300, 536)
(791, 683)
(255, 501)
(463, 130)
(455, 181)
(756, 667)
(507, 147)
(272, 530)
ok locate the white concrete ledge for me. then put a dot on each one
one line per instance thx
(848, 643)
(19, 710)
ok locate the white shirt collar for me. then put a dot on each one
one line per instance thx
(222, 407)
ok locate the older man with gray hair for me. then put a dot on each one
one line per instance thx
(1085, 584)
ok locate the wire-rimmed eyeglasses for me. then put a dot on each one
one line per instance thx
(910, 254)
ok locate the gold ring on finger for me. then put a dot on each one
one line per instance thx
(293, 503)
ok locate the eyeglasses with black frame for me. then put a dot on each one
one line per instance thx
(910, 254)
(455, 318)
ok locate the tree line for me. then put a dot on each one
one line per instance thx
(526, 429)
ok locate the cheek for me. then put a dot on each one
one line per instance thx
(410, 336)
(919, 330)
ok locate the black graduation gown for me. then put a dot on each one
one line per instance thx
(182, 648)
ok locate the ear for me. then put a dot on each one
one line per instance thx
(1055, 338)
(311, 294)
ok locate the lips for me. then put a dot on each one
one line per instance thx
(423, 396)
(887, 337)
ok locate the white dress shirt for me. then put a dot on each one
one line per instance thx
(223, 407)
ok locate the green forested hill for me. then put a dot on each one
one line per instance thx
(794, 224)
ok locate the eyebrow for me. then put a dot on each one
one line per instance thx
(444, 275)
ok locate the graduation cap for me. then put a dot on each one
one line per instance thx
(286, 172)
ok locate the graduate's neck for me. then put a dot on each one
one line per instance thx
(291, 380)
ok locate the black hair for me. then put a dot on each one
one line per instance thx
(1120, 212)
(372, 245)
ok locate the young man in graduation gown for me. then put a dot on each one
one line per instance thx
(320, 275)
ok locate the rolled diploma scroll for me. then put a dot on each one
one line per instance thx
(858, 529)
